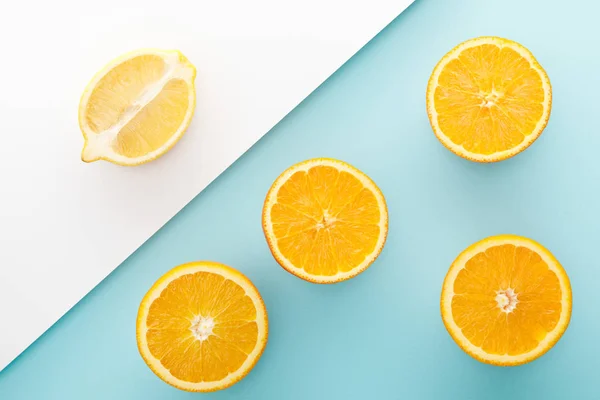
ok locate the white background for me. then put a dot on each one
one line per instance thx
(65, 225)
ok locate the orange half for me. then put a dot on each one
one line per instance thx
(202, 327)
(324, 220)
(488, 99)
(506, 300)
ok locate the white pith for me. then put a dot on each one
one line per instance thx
(202, 327)
(507, 300)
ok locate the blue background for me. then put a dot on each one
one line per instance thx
(380, 335)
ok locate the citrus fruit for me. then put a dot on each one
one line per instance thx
(324, 220)
(202, 327)
(506, 300)
(488, 99)
(137, 107)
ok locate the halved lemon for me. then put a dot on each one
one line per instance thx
(137, 107)
(506, 300)
(488, 99)
(324, 220)
(202, 327)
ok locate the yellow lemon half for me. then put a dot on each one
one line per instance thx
(137, 107)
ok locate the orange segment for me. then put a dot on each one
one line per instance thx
(506, 300)
(202, 327)
(488, 99)
(324, 220)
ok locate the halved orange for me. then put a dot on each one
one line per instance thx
(488, 99)
(202, 327)
(324, 220)
(506, 300)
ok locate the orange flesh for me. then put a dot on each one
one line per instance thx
(171, 317)
(479, 315)
(325, 221)
(489, 99)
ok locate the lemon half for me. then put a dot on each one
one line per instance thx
(137, 107)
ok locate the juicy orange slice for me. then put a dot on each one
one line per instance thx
(325, 221)
(137, 107)
(202, 327)
(506, 300)
(488, 99)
